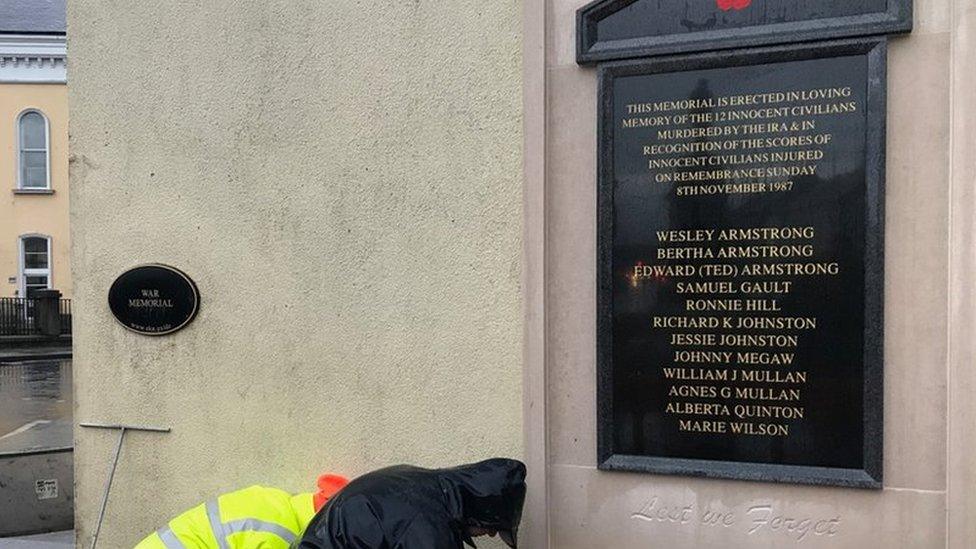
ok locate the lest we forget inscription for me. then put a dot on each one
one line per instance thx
(154, 299)
(740, 264)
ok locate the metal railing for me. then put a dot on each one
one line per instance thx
(64, 307)
(17, 316)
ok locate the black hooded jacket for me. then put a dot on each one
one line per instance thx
(406, 507)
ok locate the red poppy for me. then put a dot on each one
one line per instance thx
(726, 5)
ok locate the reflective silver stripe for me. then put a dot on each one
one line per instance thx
(169, 538)
(223, 529)
(254, 525)
(213, 514)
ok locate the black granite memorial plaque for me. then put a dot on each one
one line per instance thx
(154, 299)
(621, 29)
(740, 264)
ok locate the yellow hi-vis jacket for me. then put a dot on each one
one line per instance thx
(252, 518)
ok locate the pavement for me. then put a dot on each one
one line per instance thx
(37, 435)
(55, 540)
(17, 354)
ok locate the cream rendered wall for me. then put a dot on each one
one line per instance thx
(45, 214)
(342, 180)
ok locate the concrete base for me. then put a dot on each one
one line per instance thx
(38, 494)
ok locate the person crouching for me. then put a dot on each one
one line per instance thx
(405, 507)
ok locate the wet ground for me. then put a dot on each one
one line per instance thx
(35, 405)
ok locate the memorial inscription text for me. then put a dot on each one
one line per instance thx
(735, 258)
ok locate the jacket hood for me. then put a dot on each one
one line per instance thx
(490, 495)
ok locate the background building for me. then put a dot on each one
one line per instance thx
(34, 239)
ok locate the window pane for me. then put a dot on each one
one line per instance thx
(35, 253)
(35, 261)
(35, 244)
(35, 283)
(33, 159)
(33, 168)
(32, 131)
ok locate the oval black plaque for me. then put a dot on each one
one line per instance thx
(154, 299)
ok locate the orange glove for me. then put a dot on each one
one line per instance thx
(329, 485)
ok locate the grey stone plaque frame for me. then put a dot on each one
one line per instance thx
(897, 18)
(870, 476)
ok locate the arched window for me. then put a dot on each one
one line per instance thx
(33, 164)
(35, 263)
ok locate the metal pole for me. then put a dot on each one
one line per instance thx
(115, 463)
(120, 426)
(108, 487)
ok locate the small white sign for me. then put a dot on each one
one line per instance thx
(46, 489)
